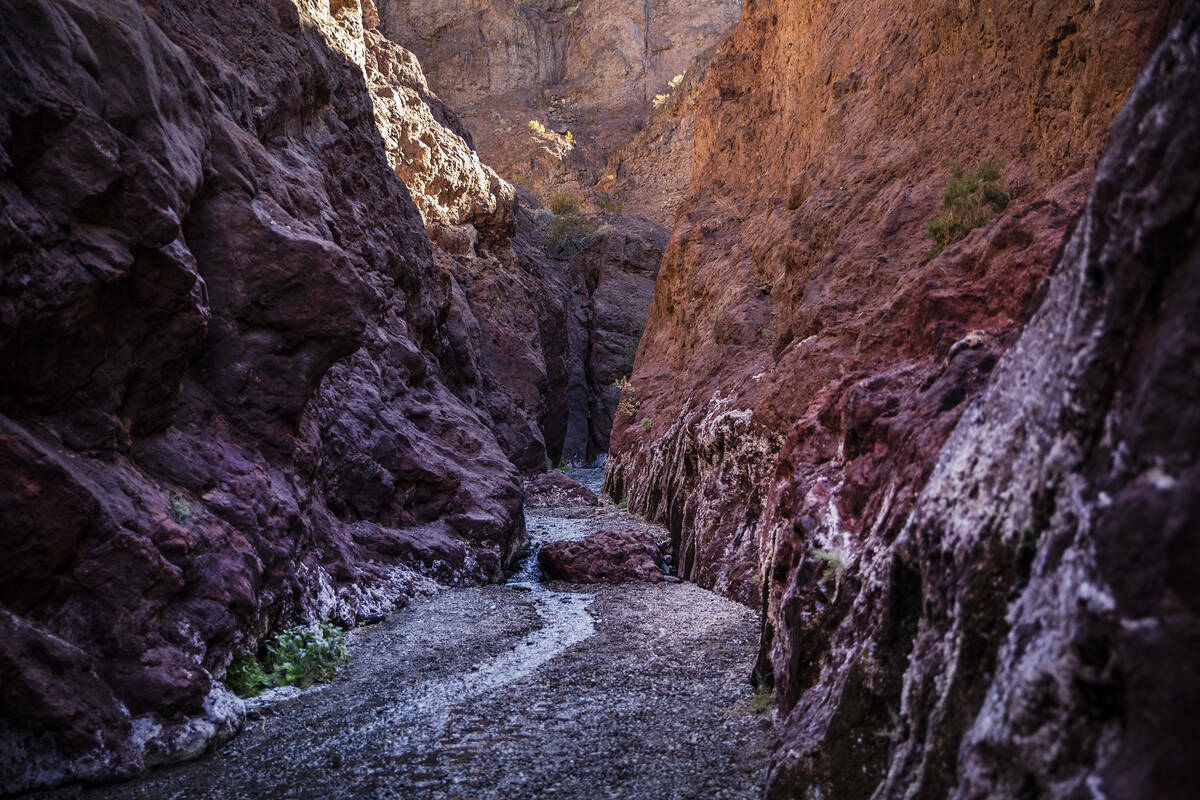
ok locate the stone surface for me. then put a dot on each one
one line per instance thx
(600, 70)
(542, 338)
(607, 556)
(1033, 629)
(251, 376)
(967, 591)
(230, 397)
(555, 488)
(802, 335)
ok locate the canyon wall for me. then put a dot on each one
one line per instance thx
(242, 386)
(1005, 611)
(598, 70)
(546, 329)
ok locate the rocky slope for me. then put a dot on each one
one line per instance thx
(974, 623)
(597, 69)
(242, 386)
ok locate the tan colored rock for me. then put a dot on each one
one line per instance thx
(591, 69)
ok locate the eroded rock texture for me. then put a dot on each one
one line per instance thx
(231, 393)
(1046, 581)
(598, 69)
(801, 331)
(548, 330)
(1015, 616)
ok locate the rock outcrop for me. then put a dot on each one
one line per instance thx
(555, 488)
(552, 329)
(1004, 612)
(588, 75)
(609, 556)
(231, 395)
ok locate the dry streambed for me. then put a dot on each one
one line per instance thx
(513, 691)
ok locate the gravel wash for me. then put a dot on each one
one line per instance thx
(507, 692)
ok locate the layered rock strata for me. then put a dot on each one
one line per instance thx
(598, 70)
(977, 628)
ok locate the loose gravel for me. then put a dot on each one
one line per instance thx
(515, 691)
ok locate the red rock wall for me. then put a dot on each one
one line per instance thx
(806, 360)
(802, 335)
(230, 396)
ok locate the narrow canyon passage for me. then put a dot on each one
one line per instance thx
(517, 690)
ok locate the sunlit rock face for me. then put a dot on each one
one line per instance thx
(600, 70)
(836, 434)
(231, 397)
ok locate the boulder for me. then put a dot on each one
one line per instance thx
(609, 556)
(554, 488)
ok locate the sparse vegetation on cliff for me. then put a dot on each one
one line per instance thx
(630, 402)
(971, 199)
(571, 229)
(564, 203)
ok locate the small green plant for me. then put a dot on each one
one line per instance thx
(570, 137)
(624, 504)
(537, 127)
(563, 466)
(835, 563)
(970, 200)
(629, 402)
(246, 677)
(181, 509)
(760, 700)
(569, 233)
(646, 424)
(302, 656)
(564, 203)
(299, 656)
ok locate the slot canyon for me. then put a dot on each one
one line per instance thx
(695, 399)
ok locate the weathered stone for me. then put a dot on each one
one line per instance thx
(554, 488)
(224, 395)
(597, 70)
(992, 615)
(609, 556)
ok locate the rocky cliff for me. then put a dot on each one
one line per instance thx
(1001, 612)
(241, 384)
(589, 75)
(547, 328)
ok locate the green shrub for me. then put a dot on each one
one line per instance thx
(970, 200)
(299, 656)
(181, 509)
(246, 677)
(564, 203)
(646, 424)
(760, 700)
(569, 233)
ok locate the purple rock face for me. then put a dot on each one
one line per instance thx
(614, 556)
(223, 399)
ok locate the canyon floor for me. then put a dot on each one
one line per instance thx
(522, 690)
